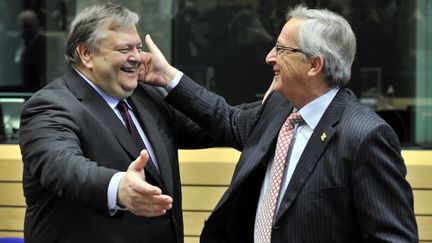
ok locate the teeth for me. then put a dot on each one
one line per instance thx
(129, 69)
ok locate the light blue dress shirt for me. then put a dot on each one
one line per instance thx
(311, 114)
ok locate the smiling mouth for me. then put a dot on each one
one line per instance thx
(129, 69)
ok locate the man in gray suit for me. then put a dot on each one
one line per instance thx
(343, 179)
(84, 178)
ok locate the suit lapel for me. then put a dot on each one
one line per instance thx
(313, 151)
(264, 141)
(149, 122)
(103, 113)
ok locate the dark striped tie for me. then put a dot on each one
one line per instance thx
(124, 111)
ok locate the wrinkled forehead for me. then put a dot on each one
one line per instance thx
(290, 31)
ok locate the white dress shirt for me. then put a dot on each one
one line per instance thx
(115, 180)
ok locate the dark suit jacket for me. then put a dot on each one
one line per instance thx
(349, 187)
(72, 143)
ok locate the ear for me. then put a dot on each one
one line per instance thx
(316, 65)
(83, 51)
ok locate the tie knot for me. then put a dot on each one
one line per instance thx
(294, 118)
(122, 106)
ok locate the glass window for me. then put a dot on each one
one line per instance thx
(223, 44)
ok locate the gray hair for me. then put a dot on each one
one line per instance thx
(329, 35)
(91, 25)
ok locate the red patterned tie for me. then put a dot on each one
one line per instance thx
(267, 211)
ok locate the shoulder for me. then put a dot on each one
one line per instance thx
(56, 96)
(53, 92)
(361, 121)
(151, 91)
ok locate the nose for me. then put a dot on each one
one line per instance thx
(271, 57)
(135, 56)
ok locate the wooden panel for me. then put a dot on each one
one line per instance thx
(419, 176)
(11, 234)
(423, 202)
(11, 194)
(194, 222)
(207, 166)
(191, 239)
(422, 157)
(425, 227)
(12, 218)
(201, 198)
(210, 155)
(10, 163)
(10, 170)
(419, 167)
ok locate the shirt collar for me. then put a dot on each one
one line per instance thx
(112, 102)
(313, 111)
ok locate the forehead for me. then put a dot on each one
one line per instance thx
(290, 31)
(122, 36)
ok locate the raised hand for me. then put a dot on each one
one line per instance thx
(155, 69)
(138, 196)
(270, 89)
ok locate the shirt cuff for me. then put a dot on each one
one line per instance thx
(175, 81)
(112, 193)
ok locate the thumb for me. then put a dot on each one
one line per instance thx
(141, 161)
(152, 46)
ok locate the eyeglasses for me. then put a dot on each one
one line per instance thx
(280, 48)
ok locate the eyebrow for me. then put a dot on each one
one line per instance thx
(128, 45)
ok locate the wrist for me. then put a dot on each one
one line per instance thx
(170, 75)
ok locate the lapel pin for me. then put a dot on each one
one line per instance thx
(323, 136)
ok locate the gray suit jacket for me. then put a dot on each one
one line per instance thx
(349, 187)
(72, 143)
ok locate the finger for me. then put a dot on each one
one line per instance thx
(152, 206)
(144, 188)
(155, 202)
(163, 201)
(146, 213)
(156, 209)
(152, 46)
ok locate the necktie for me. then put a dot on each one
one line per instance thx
(268, 208)
(124, 111)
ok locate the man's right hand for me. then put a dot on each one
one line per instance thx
(269, 91)
(138, 196)
(155, 69)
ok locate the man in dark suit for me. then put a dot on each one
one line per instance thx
(78, 179)
(343, 179)
(31, 54)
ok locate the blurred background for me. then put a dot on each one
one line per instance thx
(223, 43)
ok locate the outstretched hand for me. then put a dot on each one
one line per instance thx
(138, 196)
(155, 69)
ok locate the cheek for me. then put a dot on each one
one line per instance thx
(287, 71)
